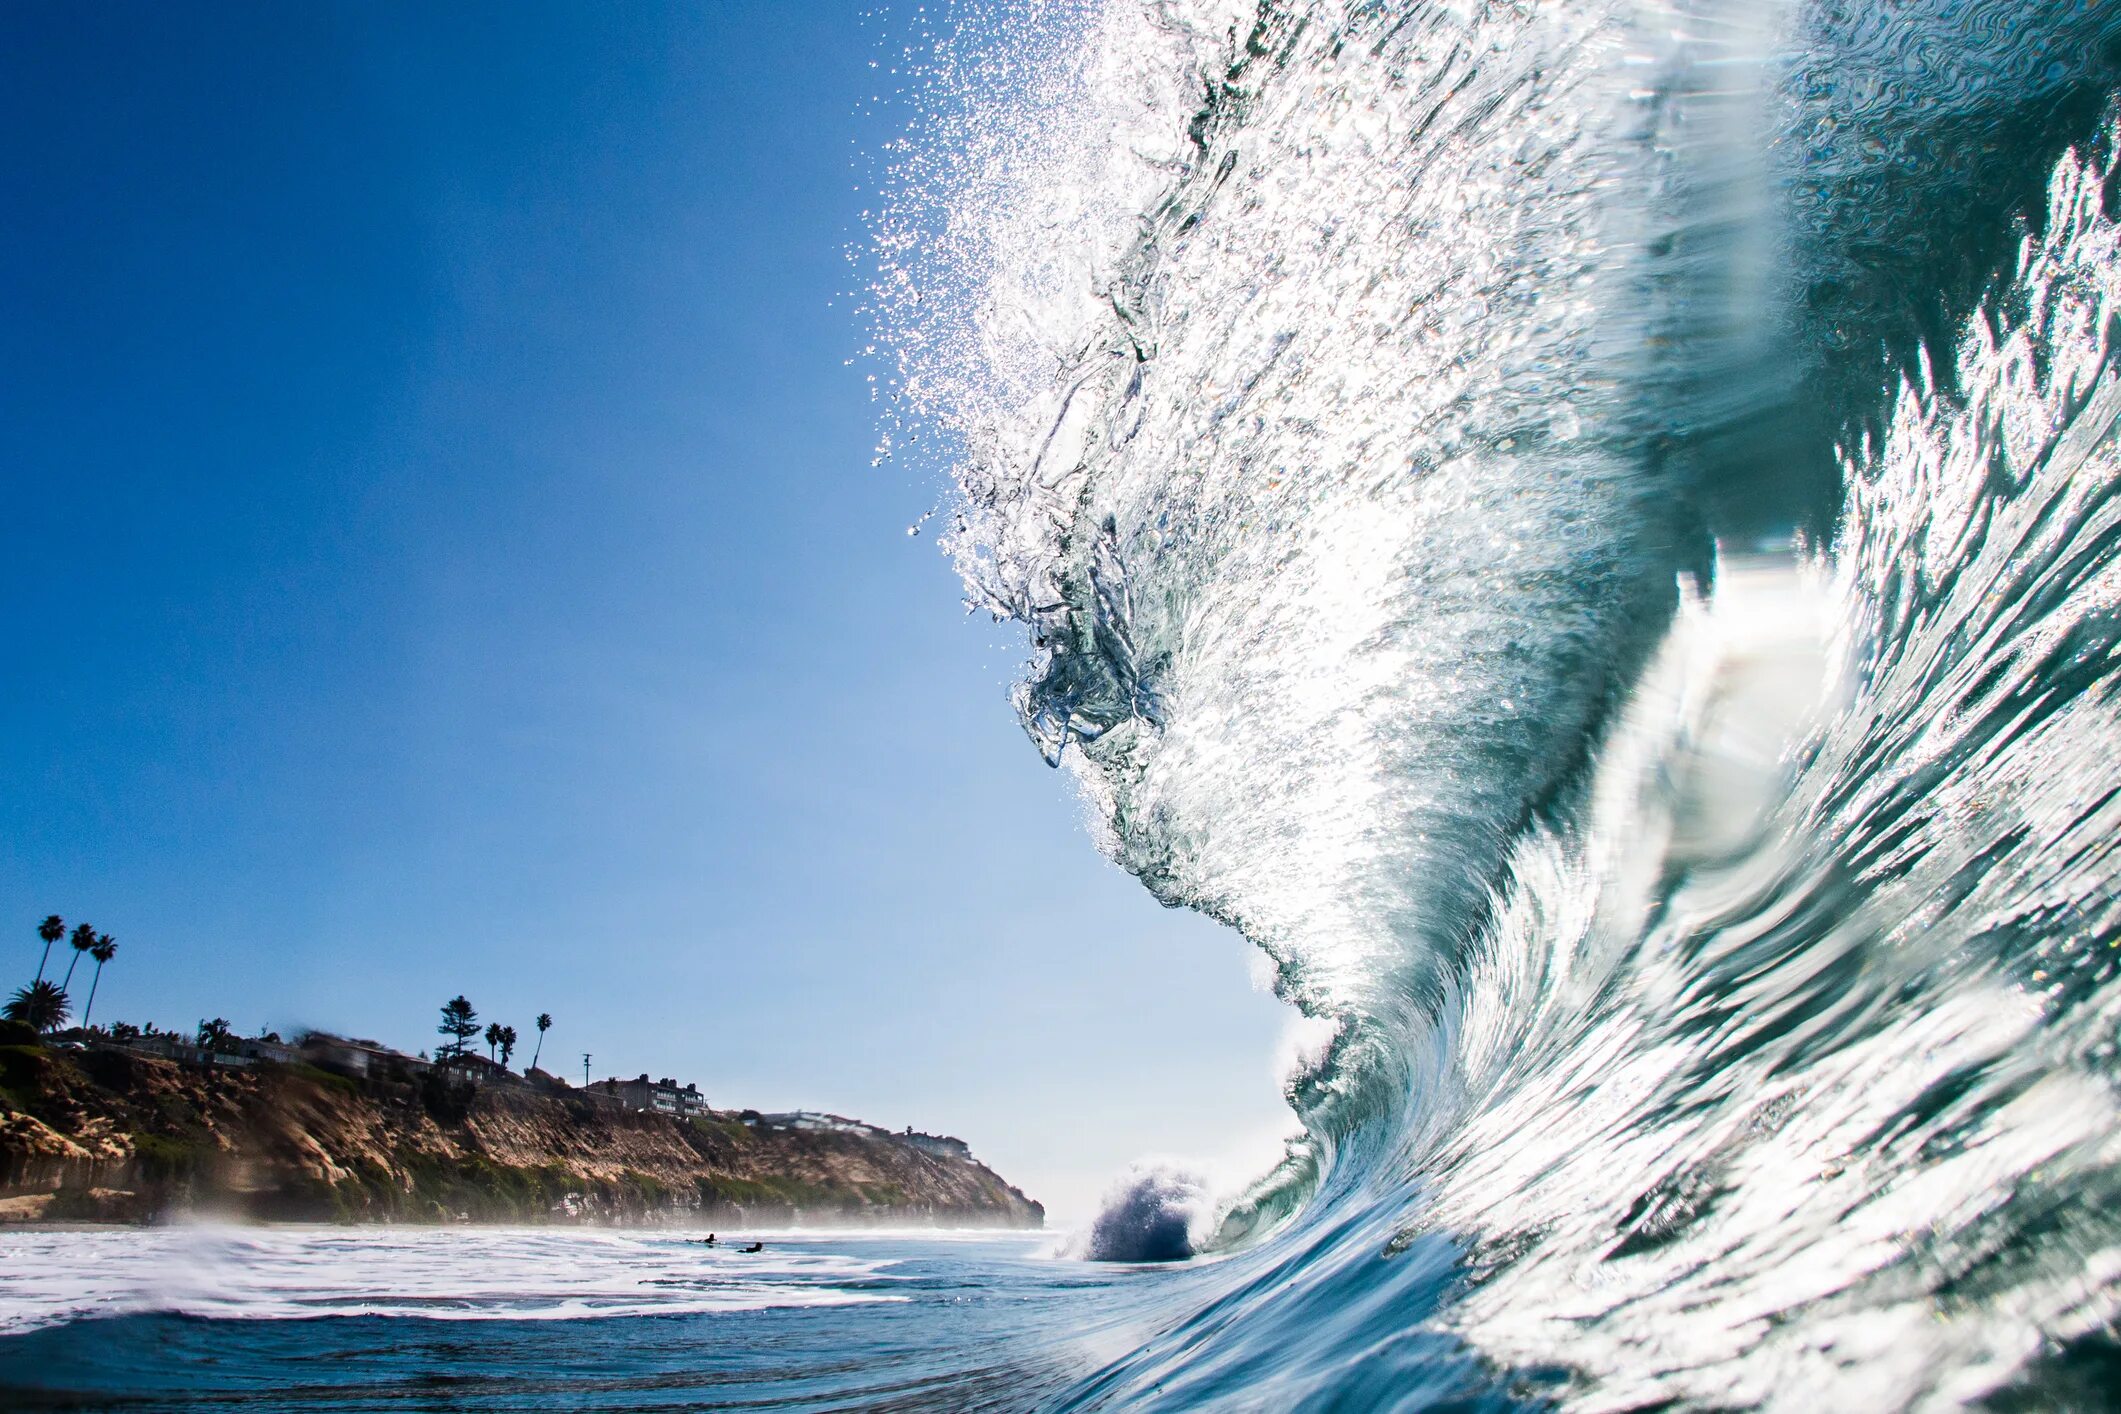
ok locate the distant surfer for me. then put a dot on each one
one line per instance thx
(707, 1241)
(754, 1247)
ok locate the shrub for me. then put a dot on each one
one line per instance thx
(330, 1080)
(22, 1077)
(447, 1103)
(645, 1189)
(113, 1070)
(170, 1163)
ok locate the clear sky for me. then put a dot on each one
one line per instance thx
(442, 555)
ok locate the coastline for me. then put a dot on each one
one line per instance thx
(105, 1137)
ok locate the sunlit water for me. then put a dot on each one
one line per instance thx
(389, 1319)
(1588, 534)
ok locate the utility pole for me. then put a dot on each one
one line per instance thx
(585, 1070)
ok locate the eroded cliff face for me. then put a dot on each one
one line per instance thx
(111, 1135)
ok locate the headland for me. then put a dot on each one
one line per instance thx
(95, 1128)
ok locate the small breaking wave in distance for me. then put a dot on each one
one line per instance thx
(1156, 1213)
(1588, 534)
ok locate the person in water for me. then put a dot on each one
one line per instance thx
(754, 1247)
(707, 1241)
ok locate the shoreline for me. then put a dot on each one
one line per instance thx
(111, 1138)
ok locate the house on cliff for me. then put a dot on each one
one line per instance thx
(942, 1146)
(259, 1048)
(663, 1096)
(357, 1057)
(816, 1123)
(167, 1045)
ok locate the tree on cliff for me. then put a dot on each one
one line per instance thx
(544, 1025)
(460, 1023)
(52, 929)
(102, 952)
(508, 1044)
(84, 938)
(217, 1035)
(41, 1005)
(493, 1038)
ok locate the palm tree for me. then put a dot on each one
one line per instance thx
(41, 1005)
(84, 938)
(508, 1045)
(544, 1025)
(493, 1038)
(52, 929)
(215, 1035)
(102, 952)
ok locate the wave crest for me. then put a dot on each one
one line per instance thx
(1367, 411)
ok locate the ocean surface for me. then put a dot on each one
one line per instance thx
(1586, 532)
(316, 1318)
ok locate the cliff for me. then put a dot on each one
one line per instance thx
(106, 1134)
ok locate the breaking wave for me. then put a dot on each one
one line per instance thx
(1588, 534)
(1154, 1214)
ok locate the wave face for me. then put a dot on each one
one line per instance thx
(1371, 412)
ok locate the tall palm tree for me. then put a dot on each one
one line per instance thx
(41, 1005)
(493, 1038)
(508, 1045)
(544, 1025)
(52, 929)
(102, 952)
(83, 938)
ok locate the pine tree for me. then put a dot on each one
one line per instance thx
(460, 1023)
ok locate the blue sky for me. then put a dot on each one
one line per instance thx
(443, 555)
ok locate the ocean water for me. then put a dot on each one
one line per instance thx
(369, 1319)
(207, 1317)
(1585, 532)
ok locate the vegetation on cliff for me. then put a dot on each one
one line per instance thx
(106, 1133)
(44, 1005)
